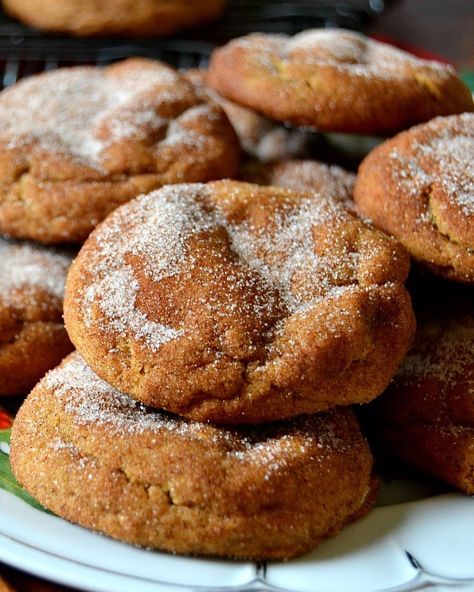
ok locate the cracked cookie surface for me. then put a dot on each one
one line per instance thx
(419, 187)
(429, 407)
(236, 303)
(32, 334)
(101, 459)
(336, 80)
(78, 142)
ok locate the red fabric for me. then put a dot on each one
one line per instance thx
(5, 420)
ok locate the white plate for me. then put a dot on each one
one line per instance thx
(414, 545)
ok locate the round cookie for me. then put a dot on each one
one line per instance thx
(114, 17)
(336, 80)
(100, 459)
(429, 408)
(303, 175)
(260, 137)
(77, 142)
(419, 186)
(235, 303)
(32, 335)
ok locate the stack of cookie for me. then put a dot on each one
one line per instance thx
(222, 328)
(223, 303)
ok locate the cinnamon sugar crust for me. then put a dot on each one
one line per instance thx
(336, 80)
(430, 405)
(114, 17)
(235, 303)
(419, 187)
(32, 334)
(303, 175)
(101, 459)
(76, 143)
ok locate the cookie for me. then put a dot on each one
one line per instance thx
(260, 137)
(114, 17)
(426, 417)
(303, 175)
(235, 303)
(419, 186)
(77, 142)
(32, 335)
(98, 458)
(336, 80)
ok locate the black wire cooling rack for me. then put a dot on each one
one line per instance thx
(25, 51)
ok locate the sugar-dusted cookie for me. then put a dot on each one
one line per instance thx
(419, 186)
(77, 142)
(237, 303)
(98, 458)
(32, 335)
(426, 417)
(336, 80)
(304, 175)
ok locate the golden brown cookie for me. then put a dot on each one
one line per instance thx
(419, 186)
(236, 303)
(303, 175)
(336, 80)
(426, 417)
(114, 17)
(260, 137)
(77, 142)
(32, 335)
(100, 459)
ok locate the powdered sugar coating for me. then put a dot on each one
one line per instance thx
(82, 110)
(446, 159)
(344, 50)
(336, 81)
(90, 401)
(272, 265)
(305, 175)
(355, 53)
(455, 159)
(162, 224)
(26, 268)
(290, 252)
(304, 171)
(255, 286)
(444, 352)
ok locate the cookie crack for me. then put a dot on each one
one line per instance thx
(434, 222)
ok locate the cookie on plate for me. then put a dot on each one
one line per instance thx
(98, 458)
(336, 80)
(32, 335)
(77, 142)
(426, 417)
(419, 187)
(237, 303)
(114, 17)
